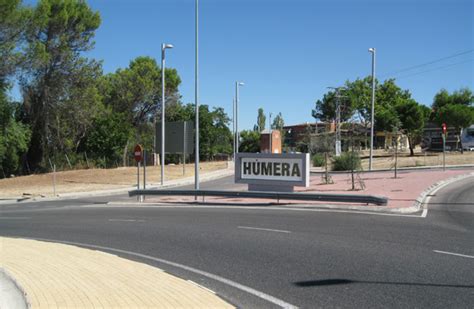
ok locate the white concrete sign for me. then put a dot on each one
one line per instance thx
(268, 169)
(272, 169)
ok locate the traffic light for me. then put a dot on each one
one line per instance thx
(445, 129)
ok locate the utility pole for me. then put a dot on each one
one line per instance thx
(338, 118)
(338, 122)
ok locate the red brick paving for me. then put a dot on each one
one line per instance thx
(401, 192)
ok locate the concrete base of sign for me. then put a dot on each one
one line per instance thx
(271, 188)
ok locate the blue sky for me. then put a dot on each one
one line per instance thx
(288, 51)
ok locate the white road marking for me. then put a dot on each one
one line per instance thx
(15, 218)
(456, 254)
(262, 229)
(231, 283)
(126, 220)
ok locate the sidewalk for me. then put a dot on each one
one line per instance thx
(56, 275)
(403, 192)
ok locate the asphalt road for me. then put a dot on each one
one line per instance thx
(265, 257)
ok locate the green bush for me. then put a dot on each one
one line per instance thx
(346, 162)
(318, 159)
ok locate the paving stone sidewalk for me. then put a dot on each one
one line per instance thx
(402, 192)
(63, 276)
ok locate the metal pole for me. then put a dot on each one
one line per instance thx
(338, 122)
(144, 169)
(372, 109)
(138, 175)
(162, 114)
(233, 129)
(396, 154)
(54, 179)
(184, 147)
(237, 117)
(196, 99)
(444, 152)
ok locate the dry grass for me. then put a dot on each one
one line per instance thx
(95, 179)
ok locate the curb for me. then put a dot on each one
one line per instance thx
(11, 294)
(173, 183)
(422, 200)
(269, 205)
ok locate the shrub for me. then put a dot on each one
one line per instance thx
(318, 159)
(346, 162)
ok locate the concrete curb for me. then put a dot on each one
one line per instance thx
(172, 183)
(271, 205)
(421, 201)
(11, 294)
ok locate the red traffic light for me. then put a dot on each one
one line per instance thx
(445, 129)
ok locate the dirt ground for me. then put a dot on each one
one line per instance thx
(384, 161)
(95, 179)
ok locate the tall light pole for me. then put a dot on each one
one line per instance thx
(196, 98)
(163, 104)
(237, 85)
(372, 50)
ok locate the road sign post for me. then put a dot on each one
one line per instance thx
(138, 155)
(445, 130)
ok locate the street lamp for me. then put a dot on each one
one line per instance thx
(196, 96)
(237, 85)
(372, 51)
(163, 104)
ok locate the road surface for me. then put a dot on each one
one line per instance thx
(267, 257)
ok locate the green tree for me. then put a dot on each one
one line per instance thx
(56, 76)
(14, 137)
(261, 119)
(12, 24)
(278, 123)
(443, 98)
(214, 134)
(135, 92)
(456, 109)
(249, 141)
(325, 109)
(412, 120)
(108, 136)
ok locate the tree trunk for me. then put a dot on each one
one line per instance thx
(124, 157)
(412, 153)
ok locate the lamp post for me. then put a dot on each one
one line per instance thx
(237, 85)
(372, 51)
(196, 96)
(163, 104)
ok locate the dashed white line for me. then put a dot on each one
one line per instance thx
(126, 220)
(15, 218)
(231, 283)
(263, 229)
(456, 254)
